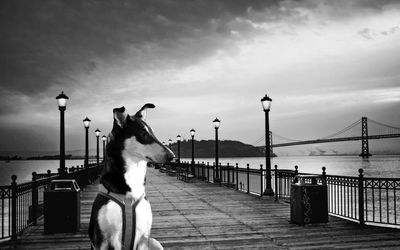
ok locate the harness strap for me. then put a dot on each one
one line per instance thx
(128, 215)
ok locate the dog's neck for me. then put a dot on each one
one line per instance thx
(135, 177)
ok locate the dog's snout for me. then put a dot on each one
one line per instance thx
(170, 155)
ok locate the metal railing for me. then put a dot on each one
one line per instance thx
(357, 198)
(22, 203)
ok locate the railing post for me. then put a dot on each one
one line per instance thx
(208, 172)
(296, 170)
(248, 178)
(361, 197)
(35, 198)
(227, 173)
(14, 208)
(220, 174)
(261, 179)
(276, 182)
(237, 176)
(323, 175)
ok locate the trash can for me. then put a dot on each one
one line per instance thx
(62, 207)
(309, 200)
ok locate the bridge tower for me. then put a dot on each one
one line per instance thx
(364, 138)
(270, 145)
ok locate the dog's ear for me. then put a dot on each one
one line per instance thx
(142, 112)
(120, 116)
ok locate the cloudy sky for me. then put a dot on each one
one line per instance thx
(324, 63)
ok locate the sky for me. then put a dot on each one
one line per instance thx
(325, 64)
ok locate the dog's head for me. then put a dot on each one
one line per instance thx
(136, 139)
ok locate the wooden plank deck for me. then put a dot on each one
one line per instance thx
(200, 215)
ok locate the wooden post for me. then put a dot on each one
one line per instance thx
(361, 197)
(261, 179)
(248, 178)
(276, 183)
(14, 208)
(237, 175)
(35, 198)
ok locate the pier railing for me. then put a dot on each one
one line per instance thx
(22, 203)
(358, 198)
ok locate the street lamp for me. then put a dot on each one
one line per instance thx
(97, 132)
(216, 123)
(62, 106)
(169, 143)
(179, 138)
(192, 132)
(104, 138)
(266, 104)
(86, 123)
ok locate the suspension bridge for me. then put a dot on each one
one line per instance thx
(381, 131)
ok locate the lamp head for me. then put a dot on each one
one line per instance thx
(86, 122)
(97, 132)
(178, 137)
(192, 132)
(216, 123)
(104, 138)
(266, 103)
(62, 101)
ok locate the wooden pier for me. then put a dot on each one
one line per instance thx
(199, 215)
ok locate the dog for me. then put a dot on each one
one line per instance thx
(121, 216)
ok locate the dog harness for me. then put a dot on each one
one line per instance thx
(128, 215)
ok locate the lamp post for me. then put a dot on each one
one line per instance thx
(86, 123)
(192, 132)
(266, 104)
(169, 143)
(179, 138)
(104, 138)
(97, 132)
(62, 106)
(216, 123)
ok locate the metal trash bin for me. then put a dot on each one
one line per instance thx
(62, 207)
(309, 200)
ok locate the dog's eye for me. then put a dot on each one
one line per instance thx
(143, 134)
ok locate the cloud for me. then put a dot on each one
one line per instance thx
(191, 58)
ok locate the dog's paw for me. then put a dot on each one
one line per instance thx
(155, 245)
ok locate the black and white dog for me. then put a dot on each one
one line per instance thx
(121, 216)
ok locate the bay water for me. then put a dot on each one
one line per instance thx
(387, 166)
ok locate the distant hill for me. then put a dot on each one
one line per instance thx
(226, 148)
(203, 149)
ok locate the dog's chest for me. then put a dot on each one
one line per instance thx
(110, 219)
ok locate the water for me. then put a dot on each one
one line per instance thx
(23, 169)
(376, 166)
